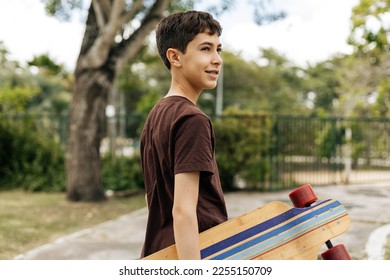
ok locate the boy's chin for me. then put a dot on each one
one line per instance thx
(211, 86)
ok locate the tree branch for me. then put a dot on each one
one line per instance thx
(106, 6)
(100, 18)
(128, 48)
(100, 49)
(137, 6)
(98, 53)
(117, 7)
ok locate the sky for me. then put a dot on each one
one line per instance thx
(313, 31)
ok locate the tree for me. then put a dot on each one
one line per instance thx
(371, 35)
(55, 84)
(321, 83)
(363, 86)
(272, 88)
(16, 88)
(370, 32)
(115, 31)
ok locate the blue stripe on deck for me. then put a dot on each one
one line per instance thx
(266, 225)
(261, 245)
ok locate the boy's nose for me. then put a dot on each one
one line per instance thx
(217, 59)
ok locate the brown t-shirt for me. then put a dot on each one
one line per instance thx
(178, 137)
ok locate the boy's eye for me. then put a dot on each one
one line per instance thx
(207, 49)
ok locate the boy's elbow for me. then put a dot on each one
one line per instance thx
(178, 212)
(183, 214)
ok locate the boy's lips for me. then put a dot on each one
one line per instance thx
(213, 73)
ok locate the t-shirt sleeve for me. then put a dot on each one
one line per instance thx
(193, 145)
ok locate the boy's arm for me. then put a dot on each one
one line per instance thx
(185, 221)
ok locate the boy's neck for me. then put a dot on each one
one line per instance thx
(177, 91)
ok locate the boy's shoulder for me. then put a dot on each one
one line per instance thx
(178, 105)
(176, 109)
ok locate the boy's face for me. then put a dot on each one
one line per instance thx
(201, 63)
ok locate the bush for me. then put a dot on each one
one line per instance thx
(243, 151)
(34, 162)
(122, 173)
(29, 160)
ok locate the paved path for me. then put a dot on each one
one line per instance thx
(121, 239)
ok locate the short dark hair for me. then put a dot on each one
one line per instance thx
(179, 29)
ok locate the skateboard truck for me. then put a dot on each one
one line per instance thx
(304, 196)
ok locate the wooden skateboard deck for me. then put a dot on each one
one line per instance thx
(274, 231)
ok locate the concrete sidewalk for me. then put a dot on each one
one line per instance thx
(121, 239)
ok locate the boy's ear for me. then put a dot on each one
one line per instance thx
(173, 55)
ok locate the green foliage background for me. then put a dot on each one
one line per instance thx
(343, 86)
(29, 160)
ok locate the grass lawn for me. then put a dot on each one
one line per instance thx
(28, 220)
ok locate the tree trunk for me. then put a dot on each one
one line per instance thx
(99, 60)
(86, 132)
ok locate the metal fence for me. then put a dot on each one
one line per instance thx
(326, 151)
(269, 152)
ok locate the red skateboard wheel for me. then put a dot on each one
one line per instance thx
(338, 252)
(303, 196)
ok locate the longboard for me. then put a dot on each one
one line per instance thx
(273, 231)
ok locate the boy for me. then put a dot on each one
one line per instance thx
(183, 190)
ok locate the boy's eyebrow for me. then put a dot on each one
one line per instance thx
(207, 43)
